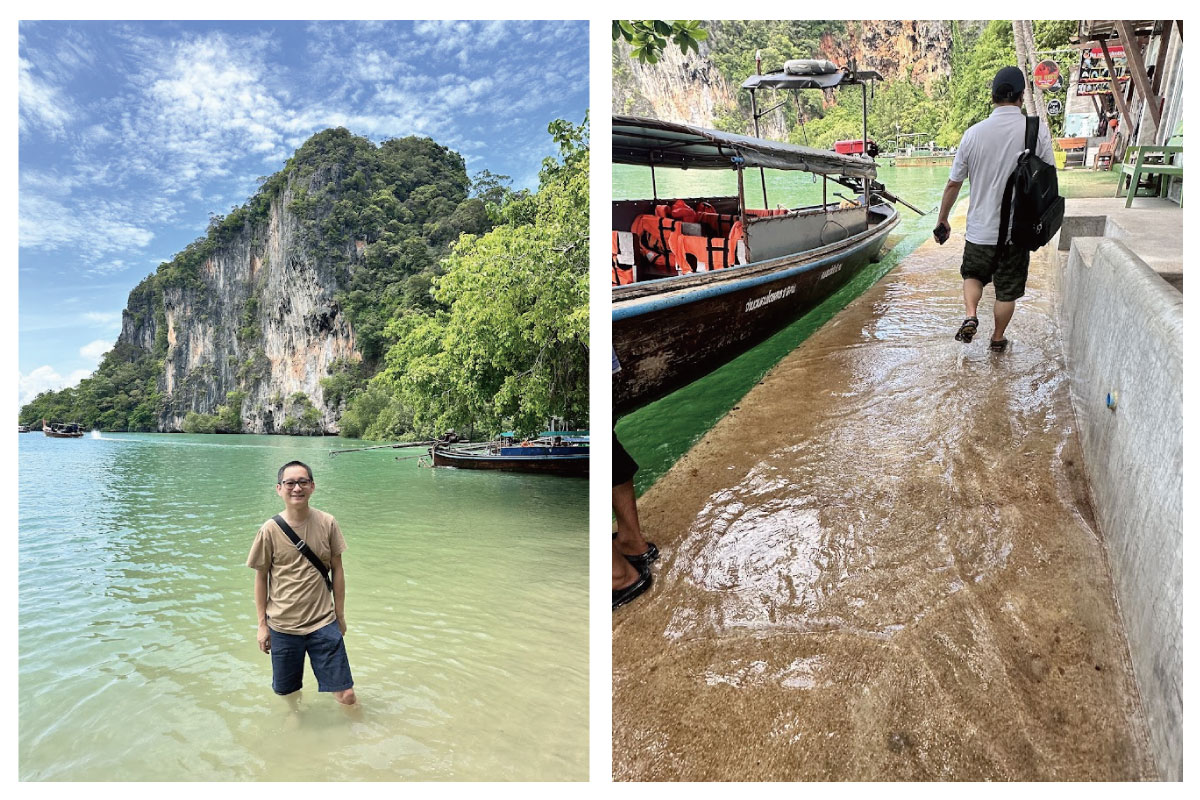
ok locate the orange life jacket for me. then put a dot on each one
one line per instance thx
(767, 212)
(681, 211)
(717, 224)
(622, 273)
(701, 253)
(651, 233)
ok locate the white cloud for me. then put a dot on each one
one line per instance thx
(46, 379)
(42, 105)
(93, 350)
(101, 228)
(104, 319)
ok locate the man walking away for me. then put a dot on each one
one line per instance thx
(987, 157)
(296, 615)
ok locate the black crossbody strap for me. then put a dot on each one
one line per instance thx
(303, 547)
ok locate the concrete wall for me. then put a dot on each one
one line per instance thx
(1123, 335)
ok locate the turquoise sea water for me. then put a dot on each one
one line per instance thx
(658, 434)
(466, 606)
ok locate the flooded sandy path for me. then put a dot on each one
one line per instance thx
(882, 566)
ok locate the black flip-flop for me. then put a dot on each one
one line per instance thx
(645, 559)
(966, 331)
(999, 346)
(633, 590)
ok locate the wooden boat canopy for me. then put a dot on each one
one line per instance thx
(642, 141)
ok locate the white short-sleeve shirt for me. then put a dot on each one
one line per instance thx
(986, 157)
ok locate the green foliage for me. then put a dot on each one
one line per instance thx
(364, 409)
(196, 422)
(970, 98)
(734, 45)
(345, 379)
(507, 346)
(229, 416)
(123, 394)
(943, 110)
(1053, 34)
(250, 330)
(301, 416)
(649, 38)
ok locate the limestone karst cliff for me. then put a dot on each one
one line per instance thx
(245, 327)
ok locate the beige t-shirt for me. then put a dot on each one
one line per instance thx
(297, 600)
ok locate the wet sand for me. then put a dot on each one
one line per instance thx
(881, 565)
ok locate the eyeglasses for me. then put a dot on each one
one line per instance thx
(303, 483)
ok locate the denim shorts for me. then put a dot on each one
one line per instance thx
(327, 652)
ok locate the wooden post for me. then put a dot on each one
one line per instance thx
(1137, 69)
(741, 198)
(1164, 41)
(1118, 96)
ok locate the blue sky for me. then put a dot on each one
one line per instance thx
(132, 133)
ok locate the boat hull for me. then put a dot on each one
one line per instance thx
(565, 465)
(669, 333)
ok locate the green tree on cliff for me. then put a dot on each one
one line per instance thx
(507, 345)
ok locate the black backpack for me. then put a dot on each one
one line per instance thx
(1031, 198)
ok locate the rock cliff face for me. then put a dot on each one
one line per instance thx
(891, 47)
(262, 321)
(691, 89)
(681, 88)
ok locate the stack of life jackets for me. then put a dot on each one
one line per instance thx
(679, 239)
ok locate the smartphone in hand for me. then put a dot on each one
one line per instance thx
(941, 233)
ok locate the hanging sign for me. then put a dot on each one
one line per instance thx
(1093, 71)
(1054, 107)
(1046, 75)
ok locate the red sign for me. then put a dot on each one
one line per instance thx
(1045, 74)
(1093, 71)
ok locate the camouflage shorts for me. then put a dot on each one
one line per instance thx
(1009, 274)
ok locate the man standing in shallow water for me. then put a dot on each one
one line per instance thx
(295, 612)
(986, 157)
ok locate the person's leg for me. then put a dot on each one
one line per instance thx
(1003, 311)
(287, 663)
(623, 573)
(327, 653)
(629, 539)
(1010, 285)
(629, 581)
(972, 293)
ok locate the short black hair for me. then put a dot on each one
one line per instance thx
(1007, 94)
(307, 468)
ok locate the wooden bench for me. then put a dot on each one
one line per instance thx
(1153, 160)
(1074, 150)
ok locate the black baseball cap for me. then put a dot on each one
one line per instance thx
(1009, 80)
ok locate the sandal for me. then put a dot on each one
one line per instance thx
(633, 590)
(645, 559)
(966, 331)
(998, 346)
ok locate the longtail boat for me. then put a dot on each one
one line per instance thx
(59, 430)
(562, 453)
(697, 281)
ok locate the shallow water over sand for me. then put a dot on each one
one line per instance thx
(138, 658)
(881, 566)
